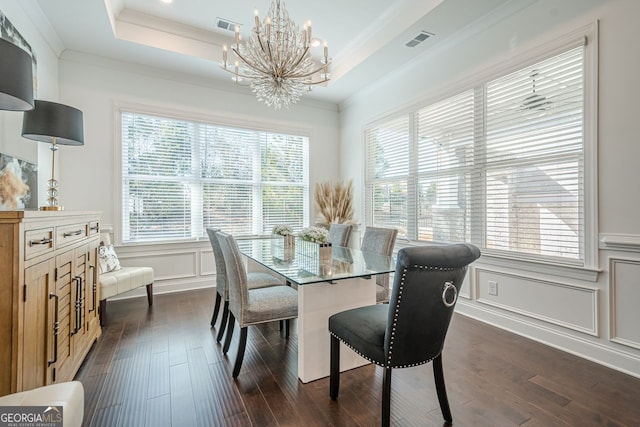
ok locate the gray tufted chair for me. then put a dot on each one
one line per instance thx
(380, 241)
(254, 281)
(339, 234)
(411, 329)
(251, 306)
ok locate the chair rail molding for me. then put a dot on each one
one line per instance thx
(621, 242)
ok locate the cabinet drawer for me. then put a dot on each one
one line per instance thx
(71, 233)
(38, 242)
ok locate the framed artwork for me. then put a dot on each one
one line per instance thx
(18, 184)
(8, 32)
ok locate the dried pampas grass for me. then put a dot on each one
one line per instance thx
(335, 202)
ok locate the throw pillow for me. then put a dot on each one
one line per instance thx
(108, 259)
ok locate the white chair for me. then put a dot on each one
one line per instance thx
(339, 234)
(380, 241)
(121, 280)
(255, 280)
(251, 306)
(69, 395)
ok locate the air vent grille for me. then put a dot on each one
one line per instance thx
(225, 24)
(419, 39)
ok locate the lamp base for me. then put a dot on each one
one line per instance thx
(51, 208)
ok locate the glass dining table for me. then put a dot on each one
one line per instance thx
(325, 287)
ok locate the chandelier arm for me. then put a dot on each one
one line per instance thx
(300, 58)
(311, 73)
(246, 76)
(247, 63)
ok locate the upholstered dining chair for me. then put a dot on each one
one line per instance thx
(255, 280)
(251, 306)
(339, 234)
(426, 284)
(380, 241)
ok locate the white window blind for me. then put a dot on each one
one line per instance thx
(180, 177)
(500, 165)
(388, 148)
(534, 150)
(444, 133)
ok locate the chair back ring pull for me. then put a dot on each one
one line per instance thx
(447, 287)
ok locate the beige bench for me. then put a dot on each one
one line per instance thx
(123, 280)
(69, 395)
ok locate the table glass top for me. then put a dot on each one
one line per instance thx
(298, 265)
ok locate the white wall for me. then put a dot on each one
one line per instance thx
(588, 313)
(88, 173)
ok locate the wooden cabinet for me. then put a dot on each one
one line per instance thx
(48, 296)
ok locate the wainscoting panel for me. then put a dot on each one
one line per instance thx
(569, 306)
(207, 262)
(624, 291)
(466, 288)
(168, 265)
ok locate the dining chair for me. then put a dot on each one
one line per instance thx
(339, 234)
(251, 306)
(255, 280)
(427, 281)
(380, 241)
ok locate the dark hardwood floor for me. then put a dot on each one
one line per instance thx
(163, 367)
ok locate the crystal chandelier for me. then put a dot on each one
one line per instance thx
(276, 59)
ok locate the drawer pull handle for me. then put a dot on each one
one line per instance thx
(56, 331)
(95, 227)
(94, 288)
(72, 233)
(43, 241)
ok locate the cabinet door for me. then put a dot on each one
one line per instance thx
(91, 290)
(64, 290)
(38, 350)
(79, 293)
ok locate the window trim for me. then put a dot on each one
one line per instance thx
(120, 106)
(584, 36)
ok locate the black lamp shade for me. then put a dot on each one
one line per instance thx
(50, 120)
(16, 78)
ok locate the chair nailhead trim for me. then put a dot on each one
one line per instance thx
(384, 365)
(395, 321)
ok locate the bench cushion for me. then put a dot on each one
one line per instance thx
(123, 280)
(69, 395)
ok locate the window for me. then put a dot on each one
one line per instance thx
(180, 177)
(500, 165)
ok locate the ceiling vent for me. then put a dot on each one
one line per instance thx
(418, 39)
(225, 24)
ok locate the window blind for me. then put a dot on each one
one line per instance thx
(445, 139)
(180, 177)
(388, 148)
(500, 165)
(534, 150)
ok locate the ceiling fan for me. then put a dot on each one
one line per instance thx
(535, 101)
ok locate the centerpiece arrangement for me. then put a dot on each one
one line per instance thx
(334, 202)
(286, 232)
(315, 243)
(284, 245)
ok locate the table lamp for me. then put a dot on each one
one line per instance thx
(16, 78)
(57, 124)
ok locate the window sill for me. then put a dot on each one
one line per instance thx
(568, 271)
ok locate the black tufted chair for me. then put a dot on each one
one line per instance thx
(411, 329)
